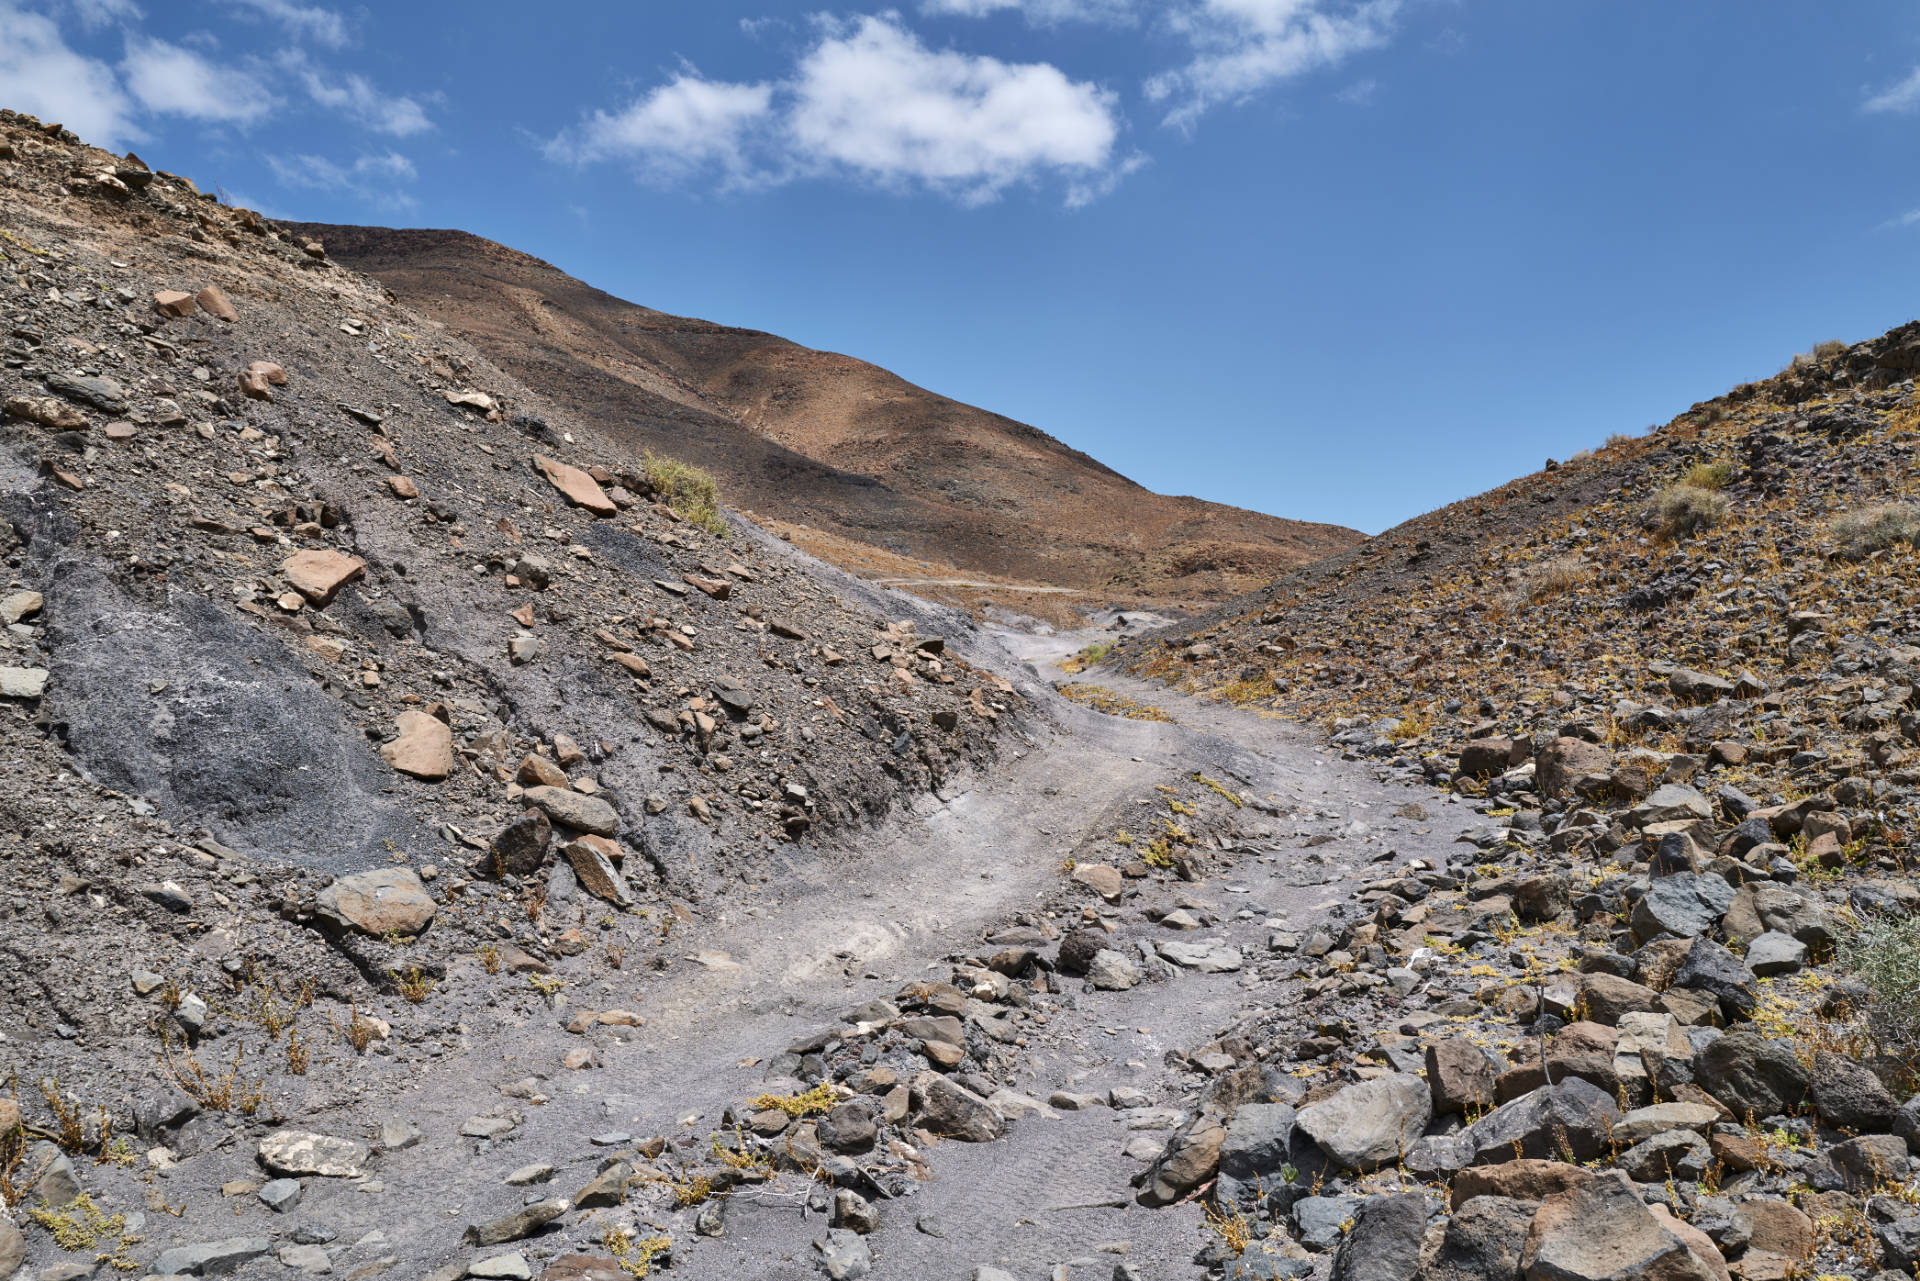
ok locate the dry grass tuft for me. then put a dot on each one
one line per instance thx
(1872, 529)
(1683, 510)
(688, 490)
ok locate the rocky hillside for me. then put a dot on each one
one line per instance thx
(319, 631)
(1676, 676)
(830, 447)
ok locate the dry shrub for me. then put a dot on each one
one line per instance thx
(1884, 953)
(1551, 577)
(688, 490)
(1709, 475)
(1683, 510)
(1872, 529)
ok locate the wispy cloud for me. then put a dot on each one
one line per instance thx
(1040, 12)
(167, 79)
(869, 101)
(310, 22)
(1904, 96)
(1244, 46)
(353, 96)
(374, 178)
(41, 74)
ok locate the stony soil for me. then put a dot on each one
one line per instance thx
(428, 855)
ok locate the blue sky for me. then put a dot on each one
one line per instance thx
(1339, 260)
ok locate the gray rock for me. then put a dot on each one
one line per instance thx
(213, 1259)
(1112, 971)
(1384, 1244)
(1685, 905)
(13, 1247)
(574, 809)
(1370, 1123)
(1254, 1150)
(1574, 1108)
(844, 1255)
(1848, 1096)
(1672, 1154)
(1709, 967)
(1775, 953)
(296, 1152)
(1751, 1074)
(502, 1267)
(1602, 1231)
(398, 1136)
(312, 1260)
(520, 1224)
(1484, 1241)
(1459, 1076)
(281, 1195)
(951, 1112)
(1899, 1243)
(1321, 1220)
(1671, 803)
(1191, 1157)
(1209, 956)
(606, 1189)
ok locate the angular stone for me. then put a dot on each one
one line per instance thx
(1709, 967)
(423, 748)
(1642, 1124)
(1774, 1226)
(258, 380)
(23, 682)
(1192, 1156)
(280, 1195)
(1102, 880)
(291, 1153)
(573, 809)
(1752, 1075)
(1602, 1231)
(1775, 953)
(173, 302)
(1369, 1124)
(576, 486)
(1608, 997)
(1574, 1114)
(502, 1267)
(949, 1111)
(598, 876)
(382, 902)
(1208, 956)
(606, 1189)
(1384, 1244)
(1459, 1076)
(1670, 1154)
(1112, 971)
(213, 1259)
(516, 1226)
(1565, 760)
(520, 848)
(1848, 1096)
(1671, 803)
(319, 575)
(215, 303)
(1523, 1180)
(1484, 1240)
(1685, 905)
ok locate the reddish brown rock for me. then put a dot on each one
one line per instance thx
(173, 302)
(576, 486)
(319, 575)
(214, 302)
(424, 748)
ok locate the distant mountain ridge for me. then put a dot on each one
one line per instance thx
(828, 442)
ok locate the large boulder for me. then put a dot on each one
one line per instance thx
(575, 809)
(1751, 1074)
(1485, 1239)
(1566, 1120)
(951, 1111)
(1459, 1076)
(1384, 1244)
(384, 902)
(1848, 1096)
(1564, 761)
(1685, 905)
(1602, 1231)
(1371, 1123)
(1709, 967)
(1254, 1150)
(1192, 1156)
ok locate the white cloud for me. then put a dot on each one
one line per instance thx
(877, 101)
(356, 98)
(870, 101)
(1244, 46)
(1904, 96)
(686, 124)
(41, 75)
(1036, 11)
(374, 178)
(323, 26)
(317, 173)
(169, 80)
(95, 14)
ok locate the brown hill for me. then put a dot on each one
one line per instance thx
(831, 448)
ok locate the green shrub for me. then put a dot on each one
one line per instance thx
(1873, 529)
(1884, 954)
(1682, 510)
(688, 490)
